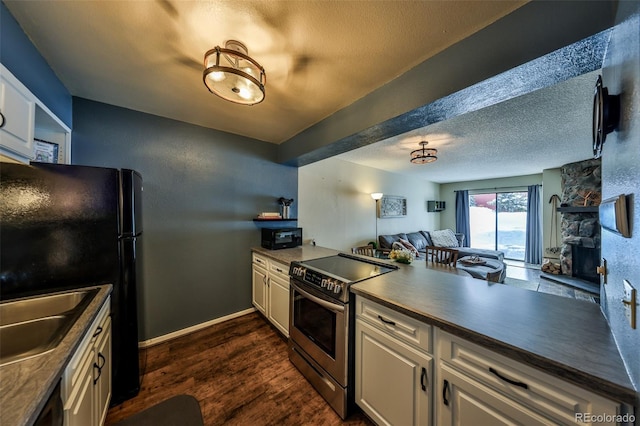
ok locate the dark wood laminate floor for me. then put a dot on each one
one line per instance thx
(240, 374)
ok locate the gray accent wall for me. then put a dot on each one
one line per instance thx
(621, 175)
(202, 188)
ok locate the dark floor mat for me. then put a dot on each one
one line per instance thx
(181, 410)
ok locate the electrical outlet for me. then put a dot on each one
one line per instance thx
(629, 302)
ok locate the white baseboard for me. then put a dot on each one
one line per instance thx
(185, 331)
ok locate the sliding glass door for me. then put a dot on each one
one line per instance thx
(498, 221)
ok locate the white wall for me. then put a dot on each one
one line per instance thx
(336, 209)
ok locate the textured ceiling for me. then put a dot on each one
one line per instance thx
(525, 135)
(320, 56)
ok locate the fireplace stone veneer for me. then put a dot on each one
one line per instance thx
(582, 191)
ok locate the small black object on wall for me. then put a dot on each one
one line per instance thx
(606, 116)
(435, 206)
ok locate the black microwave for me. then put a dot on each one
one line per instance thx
(274, 239)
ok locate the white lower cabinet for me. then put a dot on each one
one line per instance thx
(259, 286)
(86, 383)
(270, 291)
(279, 303)
(477, 387)
(102, 372)
(393, 378)
(467, 402)
(410, 373)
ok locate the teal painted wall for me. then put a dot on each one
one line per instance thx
(22, 58)
(202, 188)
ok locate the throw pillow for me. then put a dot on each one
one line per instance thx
(409, 247)
(386, 241)
(398, 246)
(444, 238)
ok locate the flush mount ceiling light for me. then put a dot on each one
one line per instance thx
(424, 155)
(233, 75)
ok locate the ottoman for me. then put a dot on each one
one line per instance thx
(480, 270)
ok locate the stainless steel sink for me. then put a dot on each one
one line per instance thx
(23, 340)
(42, 306)
(34, 326)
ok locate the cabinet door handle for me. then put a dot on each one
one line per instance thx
(386, 321)
(2, 120)
(98, 331)
(424, 380)
(445, 391)
(102, 361)
(508, 380)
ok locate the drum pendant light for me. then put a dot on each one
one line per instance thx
(233, 75)
(424, 155)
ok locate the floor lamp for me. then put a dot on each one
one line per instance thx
(376, 196)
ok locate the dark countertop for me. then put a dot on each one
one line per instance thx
(25, 386)
(566, 338)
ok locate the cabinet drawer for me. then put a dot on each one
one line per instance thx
(554, 398)
(279, 269)
(260, 260)
(402, 327)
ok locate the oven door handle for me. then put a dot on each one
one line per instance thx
(330, 306)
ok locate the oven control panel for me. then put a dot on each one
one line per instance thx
(318, 280)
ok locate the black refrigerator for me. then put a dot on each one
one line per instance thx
(68, 226)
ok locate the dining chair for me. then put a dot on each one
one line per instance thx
(364, 250)
(443, 255)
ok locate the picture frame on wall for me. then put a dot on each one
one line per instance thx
(392, 206)
(44, 151)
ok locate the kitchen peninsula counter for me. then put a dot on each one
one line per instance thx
(26, 385)
(566, 338)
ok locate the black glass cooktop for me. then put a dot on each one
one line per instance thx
(349, 269)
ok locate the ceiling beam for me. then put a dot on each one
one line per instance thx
(538, 45)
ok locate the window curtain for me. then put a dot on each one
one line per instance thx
(462, 216)
(533, 241)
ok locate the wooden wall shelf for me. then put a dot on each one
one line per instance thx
(257, 219)
(578, 209)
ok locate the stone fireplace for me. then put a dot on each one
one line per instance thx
(580, 227)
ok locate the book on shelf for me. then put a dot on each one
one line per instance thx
(269, 215)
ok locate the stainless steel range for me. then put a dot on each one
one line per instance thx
(321, 322)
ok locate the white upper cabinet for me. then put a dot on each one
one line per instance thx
(18, 116)
(29, 131)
